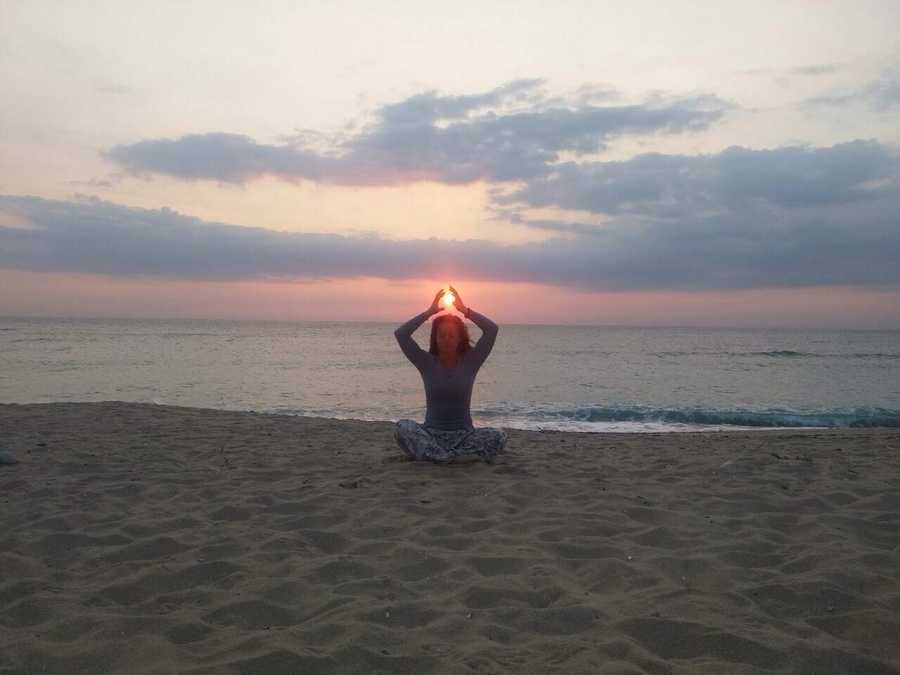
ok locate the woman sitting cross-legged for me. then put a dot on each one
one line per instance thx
(448, 371)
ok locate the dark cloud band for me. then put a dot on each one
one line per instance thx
(859, 248)
(736, 180)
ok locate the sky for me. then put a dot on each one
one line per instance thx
(684, 163)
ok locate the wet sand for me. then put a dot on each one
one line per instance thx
(138, 538)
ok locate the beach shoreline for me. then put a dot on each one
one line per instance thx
(145, 538)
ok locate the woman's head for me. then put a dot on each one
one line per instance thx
(449, 335)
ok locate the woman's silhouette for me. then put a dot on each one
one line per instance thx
(448, 370)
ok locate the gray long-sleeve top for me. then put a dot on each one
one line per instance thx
(448, 391)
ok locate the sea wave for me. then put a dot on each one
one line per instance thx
(855, 418)
(785, 354)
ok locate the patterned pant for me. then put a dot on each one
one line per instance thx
(436, 445)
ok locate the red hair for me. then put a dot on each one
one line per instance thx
(465, 343)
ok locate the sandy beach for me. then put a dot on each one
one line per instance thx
(140, 538)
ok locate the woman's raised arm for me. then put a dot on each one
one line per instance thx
(418, 356)
(489, 332)
(488, 328)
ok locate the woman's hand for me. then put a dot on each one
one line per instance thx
(457, 301)
(435, 306)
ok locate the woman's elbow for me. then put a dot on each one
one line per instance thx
(401, 337)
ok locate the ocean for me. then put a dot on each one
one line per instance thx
(570, 378)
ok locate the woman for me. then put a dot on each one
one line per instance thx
(448, 371)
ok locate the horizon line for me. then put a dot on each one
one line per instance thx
(403, 320)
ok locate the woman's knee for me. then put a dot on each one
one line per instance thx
(404, 427)
(401, 431)
(405, 441)
(493, 436)
(413, 439)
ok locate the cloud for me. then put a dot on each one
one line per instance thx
(736, 180)
(93, 182)
(512, 132)
(816, 70)
(854, 243)
(879, 95)
(737, 219)
(430, 107)
(231, 158)
(812, 70)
